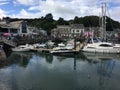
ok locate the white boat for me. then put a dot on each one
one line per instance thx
(60, 46)
(69, 46)
(22, 48)
(96, 46)
(38, 45)
(63, 49)
(50, 43)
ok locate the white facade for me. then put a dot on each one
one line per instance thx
(68, 31)
(14, 28)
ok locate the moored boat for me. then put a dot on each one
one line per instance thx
(23, 48)
(19, 49)
(93, 45)
(97, 46)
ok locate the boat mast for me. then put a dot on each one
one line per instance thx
(104, 21)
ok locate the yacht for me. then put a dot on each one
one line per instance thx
(97, 46)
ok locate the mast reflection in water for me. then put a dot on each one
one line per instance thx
(39, 71)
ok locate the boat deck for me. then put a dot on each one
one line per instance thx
(78, 48)
(41, 49)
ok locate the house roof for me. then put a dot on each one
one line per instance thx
(13, 25)
(77, 26)
(63, 26)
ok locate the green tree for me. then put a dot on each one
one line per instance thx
(49, 17)
(76, 20)
(47, 23)
(61, 21)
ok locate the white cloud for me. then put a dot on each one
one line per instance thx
(2, 13)
(66, 9)
(114, 13)
(34, 8)
(3, 2)
(113, 1)
(69, 9)
(27, 2)
(24, 14)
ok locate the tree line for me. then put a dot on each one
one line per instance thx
(47, 23)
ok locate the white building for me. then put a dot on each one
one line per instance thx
(77, 29)
(14, 28)
(68, 31)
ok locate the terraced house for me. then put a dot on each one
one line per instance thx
(67, 31)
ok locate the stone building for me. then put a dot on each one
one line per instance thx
(67, 31)
(77, 30)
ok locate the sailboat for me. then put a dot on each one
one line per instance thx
(97, 46)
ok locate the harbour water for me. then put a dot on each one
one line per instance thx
(39, 71)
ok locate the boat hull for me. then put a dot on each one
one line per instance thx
(20, 49)
(102, 50)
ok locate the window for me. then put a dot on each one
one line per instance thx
(73, 31)
(13, 30)
(105, 45)
(24, 27)
(77, 30)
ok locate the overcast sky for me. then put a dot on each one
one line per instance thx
(66, 9)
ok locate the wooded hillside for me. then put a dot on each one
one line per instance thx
(47, 23)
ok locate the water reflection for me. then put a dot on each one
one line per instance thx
(96, 57)
(104, 70)
(41, 71)
(20, 58)
(48, 57)
(105, 66)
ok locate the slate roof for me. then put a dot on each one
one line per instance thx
(77, 26)
(13, 25)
